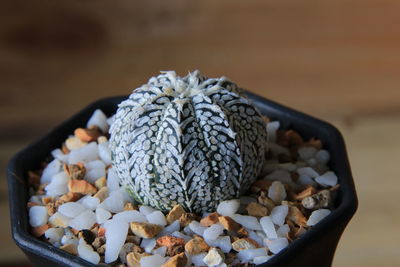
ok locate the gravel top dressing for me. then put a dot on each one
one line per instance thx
(143, 197)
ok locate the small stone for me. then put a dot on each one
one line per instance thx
(229, 224)
(38, 216)
(309, 191)
(40, 230)
(130, 206)
(256, 209)
(327, 179)
(296, 216)
(82, 187)
(244, 243)
(87, 135)
(262, 184)
(246, 255)
(210, 219)
(133, 258)
(317, 215)
(228, 207)
(87, 235)
(174, 214)
(145, 230)
(73, 143)
(70, 248)
(100, 183)
(126, 248)
(70, 197)
(156, 217)
(266, 201)
(319, 200)
(169, 241)
(59, 220)
(196, 245)
(187, 218)
(179, 260)
(277, 244)
(214, 257)
(213, 232)
(98, 242)
(75, 171)
(152, 261)
(102, 194)
(174, 250)
(277, 192)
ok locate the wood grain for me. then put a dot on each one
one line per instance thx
(337, 60)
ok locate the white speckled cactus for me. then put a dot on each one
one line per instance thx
(193, 140)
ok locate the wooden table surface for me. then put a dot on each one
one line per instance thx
(336, 60)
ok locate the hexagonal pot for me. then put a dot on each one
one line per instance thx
(315, 248)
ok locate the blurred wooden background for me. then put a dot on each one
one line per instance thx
(337, 60)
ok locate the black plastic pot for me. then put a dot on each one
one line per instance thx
(315, 248)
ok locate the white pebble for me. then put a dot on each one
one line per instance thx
(51, 169)
(277, 192)
(307, 152)
(85, 220)
(69, 239)
(148, 244)
(95, 170)
(183, 236)
(58, 185)
(58, 154)
(222, 242)
(87, 253)
(116, 232)
(327, 179)
(317, 215)
(130, 216)
(278, 214)
(54, 235)
(37, 216)
(246, 255)
(188, 231)
(253, 235)
(112, 180)
(173, 227)
(105, 152)
(283, 230)
(228, 207)
(90, 202)
(277, 244)
(323, 156)
(280, 175)
(212, 232)
(146, 210)
(214, 257)
(305, 180)
(110, 120)
(57, 219)
(71, 209)
(156, 217)
(160, 251)
(152, 261)
(114, 202)
(272, 128)
(86, 153)
(249, 222)
(308, 171)
(261, 259)
(197, 259)
(197, 228)
(102, 215)
(98, 119)
(268, 227)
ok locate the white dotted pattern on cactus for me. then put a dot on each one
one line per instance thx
(194, 141)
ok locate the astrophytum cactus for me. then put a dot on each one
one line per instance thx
(190, 140)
